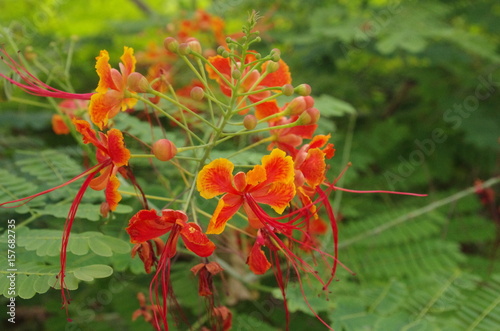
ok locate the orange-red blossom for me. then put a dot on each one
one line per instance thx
(111, 151)
(270, 183)
(114, 87)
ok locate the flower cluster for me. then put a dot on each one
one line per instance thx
(236, 95)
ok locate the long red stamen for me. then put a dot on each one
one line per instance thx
(67, 231)
(378, 191)
(25, 200)
(34, 85)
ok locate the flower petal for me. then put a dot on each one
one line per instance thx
(277, 195)
(257, 260)
(314, 166)
(128, 60)
(116, 148)
(196, 241)
(279, 167)
(278, 78)
(58, 125)
(223, 66)
(104, 106)
(104, 71)
(226, 208)
(89, 135)
(146, 225)
(266, 109)
(216, 178)
(112, 195)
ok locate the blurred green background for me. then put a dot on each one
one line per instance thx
(409, 91)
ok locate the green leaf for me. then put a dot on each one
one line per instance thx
(331, 106)
(90, 272)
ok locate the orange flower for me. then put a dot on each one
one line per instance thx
(111, 150)
(255, 79)
(270, 183)
(112, 94)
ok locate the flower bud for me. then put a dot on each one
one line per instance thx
(197, 93)
(258, 56)
(104, 209)
(221, 49)
(309, 101)
(236, 74)
(194, 45)
(303, 89)
(275, 55)
(250, 122)
(272, 67)
(314, 114)
(296, 107)
(304, 119)
(287, 89)
(171, 44)
(184, 49)
(164, 149)
(138, 83)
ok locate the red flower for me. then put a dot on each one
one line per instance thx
(254, 79)
(270, 183)
(146, 225)
(112, 152)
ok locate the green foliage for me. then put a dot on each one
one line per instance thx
(401, 68)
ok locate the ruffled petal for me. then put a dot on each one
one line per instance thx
(146, 225)
(279, 167)
(314, 166)
(196, 241)
(103, 106)
(89, 135)
(278, 78)
(116, 148)
(104, 71)
(128, 60)
(226, 208)
(112, 195)
(256, 175)
(257, 260)
(277, 195)
(216, 178)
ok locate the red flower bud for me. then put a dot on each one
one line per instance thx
(287, 89)
(250, 122)
(197, 93)
(275, 55)
(296, 107)
(171, 44)
(272, 67)
(138, 83)
(164, 149)
(184, 49)
(303, 89)
(194, 45)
